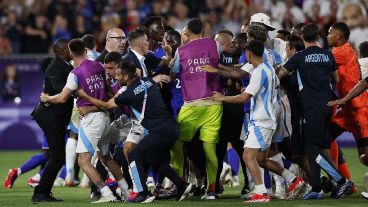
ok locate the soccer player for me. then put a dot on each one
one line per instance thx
(90, 75)
(263, 95)
(316, 66)
(354, 115)
(143, 95)
(199, 111)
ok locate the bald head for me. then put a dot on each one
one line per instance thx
(353, 16)
(224, 39)
(115, 40)
(61, 49)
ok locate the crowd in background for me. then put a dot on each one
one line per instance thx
(29, 26)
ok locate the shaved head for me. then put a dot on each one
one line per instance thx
(115, 40)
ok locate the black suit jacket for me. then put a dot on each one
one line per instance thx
(102, 56)
(55, 79)
(151, 61)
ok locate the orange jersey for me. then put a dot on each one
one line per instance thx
(349, 74)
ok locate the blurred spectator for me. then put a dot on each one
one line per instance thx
(354, 17)
(37, 37)
(181, 20)
(59, 29)
(79, 27)
(9, 86)
(5, 44)
(13, 31)
(208, 29)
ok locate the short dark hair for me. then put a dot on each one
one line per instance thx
(343, 28)
(296, 42)
(135, 34)
(175, 33)
(89, 41)
(225, 31)
(128, 68)
(59, 46)
(310, 33)
(258, 32)
(363, 49)
(256, 47)
(113, 57)
(151, 20)
(242, 36)
(195, 26)
(284, 32)
(168, 28)
(77, 47)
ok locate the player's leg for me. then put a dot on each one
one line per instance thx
(70, 158)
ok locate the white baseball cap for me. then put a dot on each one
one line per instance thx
(262, 18)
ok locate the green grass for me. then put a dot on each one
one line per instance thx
(20, 194)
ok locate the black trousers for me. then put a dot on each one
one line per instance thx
(316, 128)
(55, 136)
(153, 151)
(231, 126)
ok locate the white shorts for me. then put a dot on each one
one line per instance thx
(93, 128)
(74, 121)
(283, 117)
(136, 133)
(258, 137)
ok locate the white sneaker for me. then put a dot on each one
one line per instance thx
(235, 181)
(85, 182)
(306, 190)
(149, 199)
(150, 182)
(365, 195)
(107, 199)
(59, 182)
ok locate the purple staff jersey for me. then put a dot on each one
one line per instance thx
(90, 76)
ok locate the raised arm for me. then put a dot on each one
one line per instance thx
(356, 91)
(98, 103)
(230, 72)
(238, 99)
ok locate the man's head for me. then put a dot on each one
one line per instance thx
(112, 59)
(310, 33)
(297, 29)
(363, 49)
(89, 41)
(115, 40)
(283, 34)
(61, 49)
(195, 27)
(261, 19)
(254, 51)
(173, 39)
(257, 32)
(155, 28)
(138, 41)
(293, 45)
(353, 16)
(239, 43)
(125, 71)
(224, 38)
(77, 48)
(338, 34)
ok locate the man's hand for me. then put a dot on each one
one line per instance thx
(44, 97)
(161, 78)
(216, 96)
(209, 68)
(167, 49)
(339, 103)
(83, 110)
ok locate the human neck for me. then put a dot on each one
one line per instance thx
(153, 44)
(137, 50)
(130, 81)
(310, 44)
(257, 61)
(195, 36)
(341, 43)
(78, 60)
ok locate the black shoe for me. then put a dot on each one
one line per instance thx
(199, 191)
(36, 198)
(245, 190)
(183, 191)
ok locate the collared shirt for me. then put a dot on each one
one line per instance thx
(141, 59)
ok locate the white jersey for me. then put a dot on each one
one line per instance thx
(262, 86)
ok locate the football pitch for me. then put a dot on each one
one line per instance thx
(20, 194)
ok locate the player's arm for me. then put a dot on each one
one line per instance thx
(98, 103)
(167, 59)
(335, 77)
(238, 99)
(58, 98)
(356, 91)
(226, 71)
(87, 109)
(282, 72)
